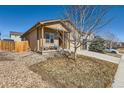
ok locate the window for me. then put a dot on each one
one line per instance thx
(49, 37)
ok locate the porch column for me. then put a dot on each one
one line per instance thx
(38, 40)
(42, 38)
(40, 33)
(63, 40)
(69, 40)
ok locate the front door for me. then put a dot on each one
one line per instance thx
(60, 41)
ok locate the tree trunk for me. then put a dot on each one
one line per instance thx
(110, 45)
(75, 56)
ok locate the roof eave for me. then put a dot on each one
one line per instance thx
(28, 31)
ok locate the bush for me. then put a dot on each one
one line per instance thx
(97, 46)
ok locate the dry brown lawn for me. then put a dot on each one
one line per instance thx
(85, 72)
(121, 50)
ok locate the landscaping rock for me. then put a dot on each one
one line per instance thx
(16, 74)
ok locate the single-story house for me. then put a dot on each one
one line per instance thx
(49, 34)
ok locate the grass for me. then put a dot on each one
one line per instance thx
(86, 72)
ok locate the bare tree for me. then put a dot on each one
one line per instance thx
(86, 20)
(111, 39)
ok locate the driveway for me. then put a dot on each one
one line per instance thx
(14, 72)
(99, 56)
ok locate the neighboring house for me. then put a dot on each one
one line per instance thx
(8, 40)
(16, 36)
(0, 35)
(88, 41)
(50, 34)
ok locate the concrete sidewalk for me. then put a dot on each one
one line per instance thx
(119, 77)
(99, 56)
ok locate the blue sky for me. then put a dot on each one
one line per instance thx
(21, 18)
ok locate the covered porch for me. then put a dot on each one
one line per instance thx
(51, 39)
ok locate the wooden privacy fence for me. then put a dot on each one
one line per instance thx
(18, 46)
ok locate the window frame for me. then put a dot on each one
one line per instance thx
(49, 37)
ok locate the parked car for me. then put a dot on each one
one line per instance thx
(112, 51)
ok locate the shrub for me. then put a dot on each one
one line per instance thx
(97, 46)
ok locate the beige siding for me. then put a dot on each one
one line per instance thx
(57, 26)
(32, 38)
